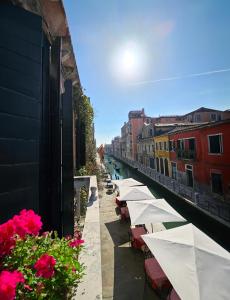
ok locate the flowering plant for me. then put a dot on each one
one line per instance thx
(34, 266)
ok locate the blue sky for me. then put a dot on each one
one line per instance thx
(167, 40)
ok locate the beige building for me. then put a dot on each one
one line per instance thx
(145, 146)
(204, 114)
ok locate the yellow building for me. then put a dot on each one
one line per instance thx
(162, 154)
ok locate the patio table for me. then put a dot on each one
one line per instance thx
(156, 275)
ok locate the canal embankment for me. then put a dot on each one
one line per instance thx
(216, 228)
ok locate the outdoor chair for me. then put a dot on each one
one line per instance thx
(156, 276)
(124, 213)
(120, 203)
(135, 238)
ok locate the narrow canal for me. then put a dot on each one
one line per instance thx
(217, 230)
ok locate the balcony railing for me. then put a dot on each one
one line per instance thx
(185, 154)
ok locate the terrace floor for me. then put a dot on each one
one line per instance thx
(123, 275)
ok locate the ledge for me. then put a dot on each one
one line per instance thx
(91, 285)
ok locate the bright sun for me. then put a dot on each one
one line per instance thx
(128, 62)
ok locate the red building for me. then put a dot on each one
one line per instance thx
(200, 158)
(130, 132)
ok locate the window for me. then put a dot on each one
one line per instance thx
(166, 167)
(165, 147)
(173, 164)
(215, 144)
(180, 144)
(174, 145)
(160, 146)
(217, 183)
(197, 118)
(156, 146)
(213, 117)
(170, 145)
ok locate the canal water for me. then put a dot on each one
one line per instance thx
(219, 231)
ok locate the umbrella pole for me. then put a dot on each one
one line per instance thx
(152, 227)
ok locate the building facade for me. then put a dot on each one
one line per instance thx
(38, 75)
(204, 114)
(145, 146)
(108, 149)
(200, 158)
(162, 154)
(130, 132)
(116, 146)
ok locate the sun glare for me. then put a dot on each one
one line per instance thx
(128, 62)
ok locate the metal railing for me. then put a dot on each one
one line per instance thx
(205, 201)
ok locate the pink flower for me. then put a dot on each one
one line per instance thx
(77, 234)
(76, 243)
(8, 284)
(45, 266)
(27, 222)
(7, 240)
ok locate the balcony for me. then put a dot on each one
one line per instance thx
(186, 154)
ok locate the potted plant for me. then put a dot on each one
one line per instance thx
(37, 266)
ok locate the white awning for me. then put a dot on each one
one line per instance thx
(135, 193)
(152, 211)
(197, 267)
(127, 182)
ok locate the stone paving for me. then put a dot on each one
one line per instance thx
(122, 267)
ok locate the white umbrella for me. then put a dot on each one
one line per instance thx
(127, 182)
(135, 193)
(197, 267)
(152, 211)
